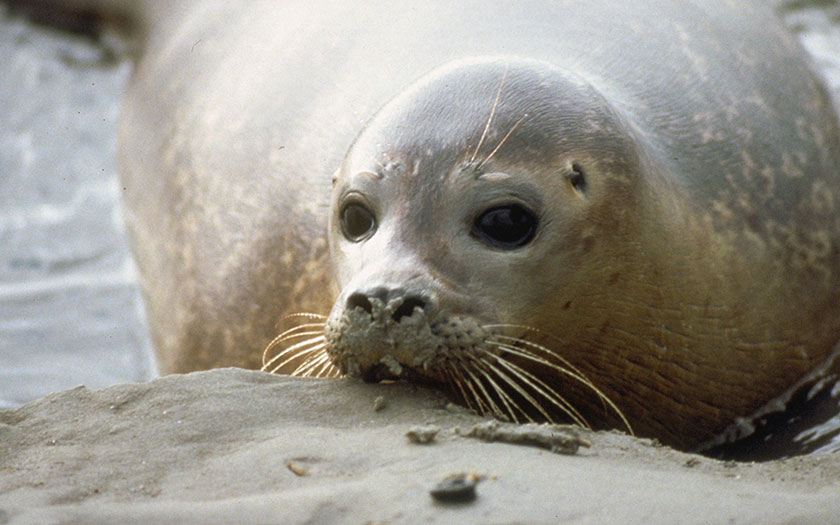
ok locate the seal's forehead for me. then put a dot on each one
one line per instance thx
(472, 111)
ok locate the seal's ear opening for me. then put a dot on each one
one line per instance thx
(577, 178)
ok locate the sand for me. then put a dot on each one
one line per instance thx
(236, 446)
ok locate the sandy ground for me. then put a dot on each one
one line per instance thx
(235, 446)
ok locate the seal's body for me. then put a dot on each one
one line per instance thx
(652, 188)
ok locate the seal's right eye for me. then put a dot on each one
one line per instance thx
(357, 221)
(507, 227)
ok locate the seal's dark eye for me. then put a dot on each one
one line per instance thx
(357, 221)
(508, 227)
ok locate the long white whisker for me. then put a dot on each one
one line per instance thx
(326, 368)
(459, 380)
(525, 354)
(603, 397)
(304, 315)
(297, 330)
(541, 348)
(546, 391)
(308, 367)
(500, 374)
(506, 399)
(278, 340)
(483, 408)
(501, 142)
(494, 409)
(292, 333)
(295, 348)
(492, 113)
(319, 347)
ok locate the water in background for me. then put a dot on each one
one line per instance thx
(69, 304)
(70, 311)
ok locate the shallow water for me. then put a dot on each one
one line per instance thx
(69, 304)
(70, 310)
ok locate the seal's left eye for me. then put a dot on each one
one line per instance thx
(357, 221)
(508, 227)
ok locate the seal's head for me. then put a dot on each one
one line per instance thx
(506, 231)
(521, 237)
(473, 211)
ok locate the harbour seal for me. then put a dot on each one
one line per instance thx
(626, 215)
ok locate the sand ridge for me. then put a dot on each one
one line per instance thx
(241, 446)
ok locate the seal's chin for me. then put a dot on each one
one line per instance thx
(378, 373)
(390, 369)
(381, 372)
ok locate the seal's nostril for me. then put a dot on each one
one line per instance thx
(407, 308)
(359, 300)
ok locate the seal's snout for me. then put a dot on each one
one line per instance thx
(398, 302)
(377, 332)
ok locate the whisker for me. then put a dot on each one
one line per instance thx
(582, 379)
(309, 353)
(295, 348)
(506, 399)
(287, 333)
(500, 374)
(306, 315)
(522, 327)
(294, 332)
(285, 336)
(458, 379)
(490, 119)
(327, 368)
(483, 408)
(546, 391)
(323, 368)
(311, 349)
(494, 409)
(531, 343)
(298, 335)
(319, 346)
(301, 315)
(526, 354)
(571, 371)
(504, 139)
(308, 367)
(304, 369)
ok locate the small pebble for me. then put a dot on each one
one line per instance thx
(296, 468)
(456, 488)
(422, 435)
(379, 403)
